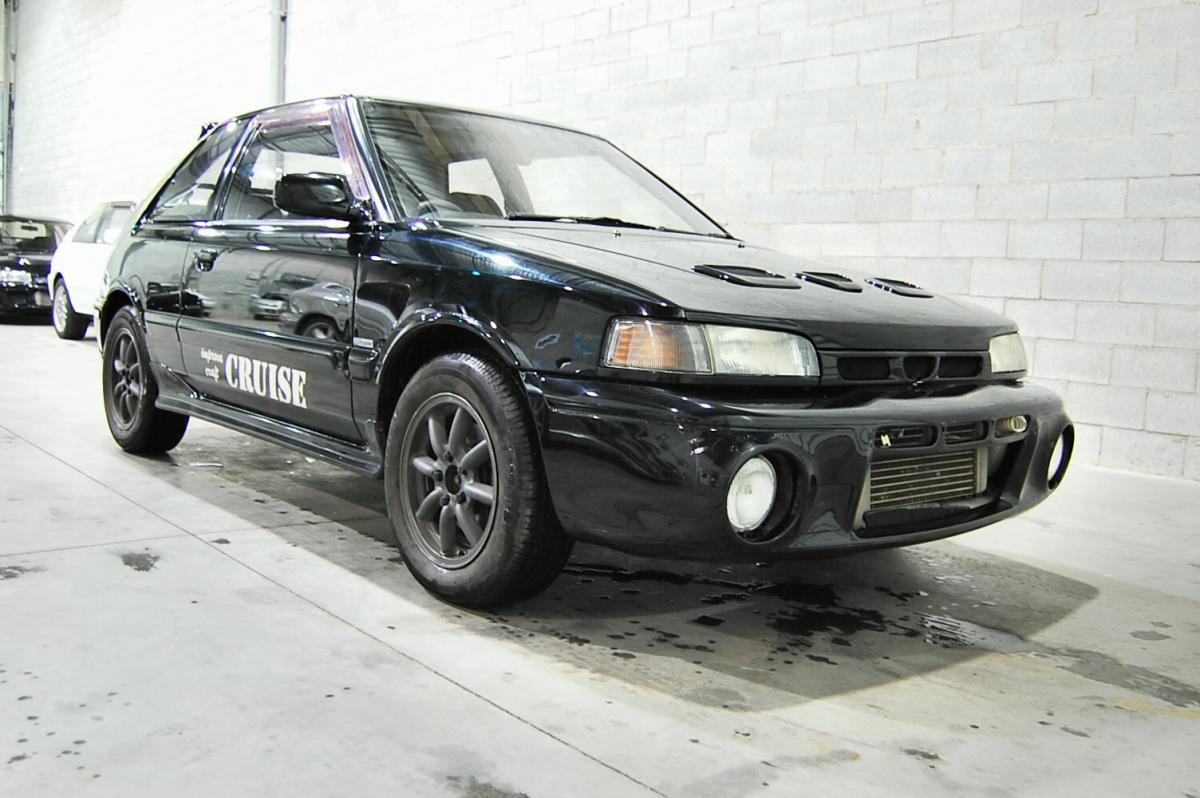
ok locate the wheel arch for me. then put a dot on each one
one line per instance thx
(434, 335)
(116, 300)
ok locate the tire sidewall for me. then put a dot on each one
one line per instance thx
(126, 320)
(464, 377)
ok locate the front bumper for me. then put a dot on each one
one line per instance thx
(646, 469)
(25, 299)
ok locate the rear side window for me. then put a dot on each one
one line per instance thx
(272, 153)
(86, 232)
(189, 193)
(116, 221)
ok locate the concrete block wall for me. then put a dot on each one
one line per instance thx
(108, 97)
(1039, 157)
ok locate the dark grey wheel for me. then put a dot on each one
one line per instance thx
(68, 324)
(126, 380)
(450, 480)
(130, 391)
(464, 486)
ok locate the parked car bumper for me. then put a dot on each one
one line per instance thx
(25, 300)
(647, 469)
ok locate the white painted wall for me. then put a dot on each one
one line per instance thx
(1039, 156)
(110, 95)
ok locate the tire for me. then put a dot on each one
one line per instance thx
(68, 324)
(130, 391)
(319, 327)
(460, 435)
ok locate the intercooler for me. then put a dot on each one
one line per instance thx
(925, 479)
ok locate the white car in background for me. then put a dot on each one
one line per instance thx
(78, 267)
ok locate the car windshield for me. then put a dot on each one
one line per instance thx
(30, 235)
(458, 165)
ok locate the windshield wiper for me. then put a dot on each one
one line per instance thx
(607, 221)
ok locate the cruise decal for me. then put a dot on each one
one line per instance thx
(260, 377)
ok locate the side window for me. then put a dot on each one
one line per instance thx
(86, 232)
(188, 194)
(116, 221)
(272, 153)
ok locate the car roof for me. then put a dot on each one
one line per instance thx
(411, 104)
(7, 217)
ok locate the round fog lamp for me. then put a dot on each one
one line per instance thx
(1013, 425)
(751, 494)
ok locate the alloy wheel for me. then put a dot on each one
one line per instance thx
(61, 308)
(126, 379)
(449, 480)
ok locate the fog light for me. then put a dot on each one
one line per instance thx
(1012, 425)
(751, 494)
(1060, 458)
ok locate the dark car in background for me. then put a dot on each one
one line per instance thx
(534, 340)
(27, 246)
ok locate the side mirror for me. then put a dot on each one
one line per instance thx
(317, 195)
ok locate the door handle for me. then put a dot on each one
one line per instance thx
(205, 259)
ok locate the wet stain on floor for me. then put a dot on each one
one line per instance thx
(139, 561)
(1148, 634)
(862, 622)
(16, 571)
(473, 788)
(918, 753)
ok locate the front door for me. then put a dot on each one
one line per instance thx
(155, 254)
(267, 297)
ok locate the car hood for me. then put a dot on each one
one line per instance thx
(663, 264)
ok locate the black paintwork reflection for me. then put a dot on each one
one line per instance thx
(263, 286)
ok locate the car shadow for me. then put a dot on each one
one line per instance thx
(747, 637)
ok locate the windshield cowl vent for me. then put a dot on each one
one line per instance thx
(900, 287)
(747, 275)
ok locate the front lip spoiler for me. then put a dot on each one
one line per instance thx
(645, 470)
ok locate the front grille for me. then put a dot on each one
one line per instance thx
(919, 367)
(909, 481)
(906, 436)
(959, 366)
(864, 368)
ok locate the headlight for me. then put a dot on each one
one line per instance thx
(15, 276)
(1007, 353)
(674, 346)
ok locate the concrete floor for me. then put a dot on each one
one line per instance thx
(225, 621)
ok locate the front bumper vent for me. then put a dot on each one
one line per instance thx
(929, 479)
(904, 436)
(965, 433)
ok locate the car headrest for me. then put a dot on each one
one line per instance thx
(476, 203)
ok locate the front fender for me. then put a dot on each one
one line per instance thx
(425, 329)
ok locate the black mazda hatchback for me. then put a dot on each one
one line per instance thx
(534, 340)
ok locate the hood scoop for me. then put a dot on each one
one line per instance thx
(747, 275)
(839, 282)
(899, 287)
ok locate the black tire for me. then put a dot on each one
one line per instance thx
(130, 391)
(319, 327)
(68, 324)
(518, 546)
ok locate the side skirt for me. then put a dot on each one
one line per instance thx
(356, 457)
